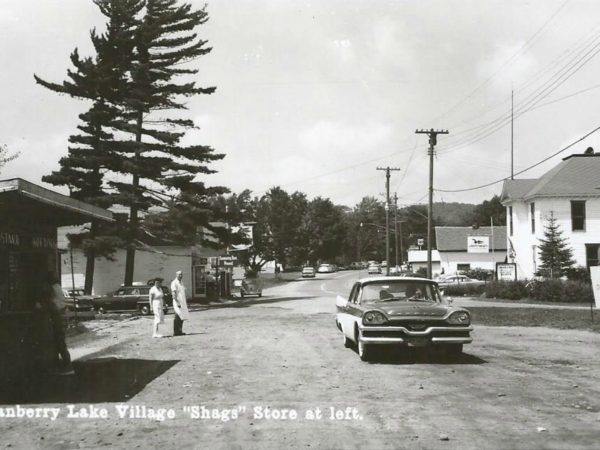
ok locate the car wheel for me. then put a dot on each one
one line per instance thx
(347, 342)
(365, 351)
(145, 310)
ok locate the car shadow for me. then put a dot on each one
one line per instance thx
(97, 380)
(422, 356)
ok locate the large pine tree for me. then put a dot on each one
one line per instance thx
(555, 254)
(102, 80)
(138, 77)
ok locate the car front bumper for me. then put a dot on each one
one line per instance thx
(401, 335)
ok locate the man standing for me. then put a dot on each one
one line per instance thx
(179, 304)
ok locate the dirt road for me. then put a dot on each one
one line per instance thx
(258, 376)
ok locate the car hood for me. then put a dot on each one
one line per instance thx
(404, 309)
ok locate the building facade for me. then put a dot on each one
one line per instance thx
(570, 193)
(467, 248)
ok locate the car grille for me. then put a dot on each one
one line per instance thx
(404, 335)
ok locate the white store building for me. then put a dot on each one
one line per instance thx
(571, 193)
(466, 248)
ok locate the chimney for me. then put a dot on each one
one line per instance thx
(589, 151)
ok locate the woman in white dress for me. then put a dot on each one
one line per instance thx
(156, 306)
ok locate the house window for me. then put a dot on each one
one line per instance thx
(591, 254)
(534, 254)
(510, 220)
(463, 267)
(532, 207)
(578, 215)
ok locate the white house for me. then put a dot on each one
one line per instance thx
(418, 259)
(465, 248)
(571, 192)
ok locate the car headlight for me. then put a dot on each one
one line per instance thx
(460, 318)
(373, 318)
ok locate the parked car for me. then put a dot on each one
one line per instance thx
(131, 298)
(251, 286)
(458, 280)
(407, 312)
(374, 268)
(77, 300)
(308, 272)
(326, 268)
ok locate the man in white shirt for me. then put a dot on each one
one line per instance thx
(179, 304)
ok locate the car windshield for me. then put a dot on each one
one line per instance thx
(408, 291)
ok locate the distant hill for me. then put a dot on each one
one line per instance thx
(453, 214)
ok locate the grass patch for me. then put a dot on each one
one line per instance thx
(564, 319)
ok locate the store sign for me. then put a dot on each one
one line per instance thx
(595, 273)
(43, 242)
(506, 271)
(478, 244)
(9, 239)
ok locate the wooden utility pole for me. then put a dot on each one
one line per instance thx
(387, 169)
(432, 143)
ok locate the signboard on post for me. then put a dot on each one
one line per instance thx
(595, 273)
(420, 242)
(478, 244)
(506, 272)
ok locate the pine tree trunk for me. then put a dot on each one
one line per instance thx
(133, 214)
(90, 263)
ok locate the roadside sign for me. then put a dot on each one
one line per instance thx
(420, 242)
(506, 272)
(595, 273)
(478, 244)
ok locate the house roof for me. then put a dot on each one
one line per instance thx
(454, 239)
(574, 176)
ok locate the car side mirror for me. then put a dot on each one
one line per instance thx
(340, 301)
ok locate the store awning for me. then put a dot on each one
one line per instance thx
(28, 200)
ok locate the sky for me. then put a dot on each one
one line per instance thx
(314, 96)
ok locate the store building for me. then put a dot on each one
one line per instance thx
(30, 215)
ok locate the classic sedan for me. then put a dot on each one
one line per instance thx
(308, 272)
(78, 301)
(132, 298)
(407, 312)
(459, 280)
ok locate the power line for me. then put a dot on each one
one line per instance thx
(505, 63)
(526, 169)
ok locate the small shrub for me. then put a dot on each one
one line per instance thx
(578, 274)
(480, 274)
(561, 291)
(510, 290)
(463, 289)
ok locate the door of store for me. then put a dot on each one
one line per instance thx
(199, 281)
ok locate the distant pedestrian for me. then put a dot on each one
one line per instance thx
(53, 301)
(156, 300)
(179, 304)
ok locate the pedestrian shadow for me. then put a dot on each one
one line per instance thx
(97, 380)
(423, 356)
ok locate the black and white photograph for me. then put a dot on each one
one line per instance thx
(300, 224)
